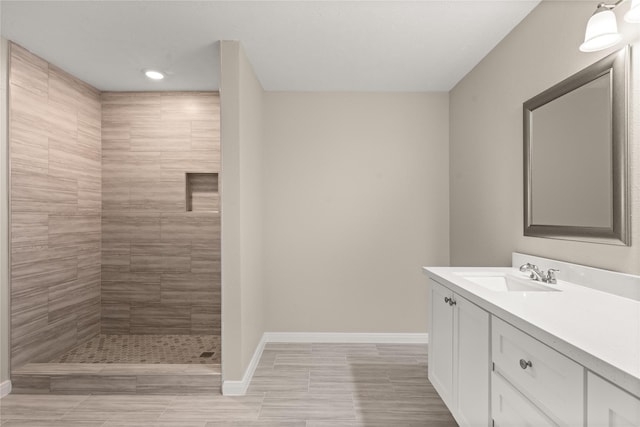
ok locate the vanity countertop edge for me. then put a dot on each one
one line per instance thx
(579, 322)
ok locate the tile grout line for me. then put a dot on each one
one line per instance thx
(74, 407)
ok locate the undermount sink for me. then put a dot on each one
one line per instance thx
(502, 282)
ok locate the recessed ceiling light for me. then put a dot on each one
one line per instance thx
(154, 75)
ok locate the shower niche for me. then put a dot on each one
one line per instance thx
(202, 192)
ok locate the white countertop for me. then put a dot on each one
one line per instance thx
(599, 330)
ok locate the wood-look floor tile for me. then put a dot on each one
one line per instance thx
(34, 407)
(259, 423)
(51, 423)
(155, 423)
(346, 380)
(308, 406)
(339, 349)
(293, 361)
(403, 402)
(390, 407)
(404, 349)
(213, 408)
(284, 381)
(140, 408)
(287, 348)
(368, 423)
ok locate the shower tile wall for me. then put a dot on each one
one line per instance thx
(160, 263)
(54, 140)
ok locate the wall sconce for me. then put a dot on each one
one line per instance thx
(602, 28)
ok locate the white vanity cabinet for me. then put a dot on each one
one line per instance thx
(508, 355)
(459, 365)
(610, 406)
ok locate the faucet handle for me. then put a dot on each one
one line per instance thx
(551, 275)
(527, 267)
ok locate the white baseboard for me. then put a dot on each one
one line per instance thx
(239, 388)
(5, 388)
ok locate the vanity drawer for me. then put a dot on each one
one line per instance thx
(550, 380)
(510, 408)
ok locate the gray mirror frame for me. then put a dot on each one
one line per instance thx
(617, 64)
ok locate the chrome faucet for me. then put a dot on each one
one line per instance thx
(536, 274)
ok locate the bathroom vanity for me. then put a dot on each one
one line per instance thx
(507, 350)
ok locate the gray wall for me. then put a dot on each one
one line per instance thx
(243, 321)
(486, 141)
(356, 201)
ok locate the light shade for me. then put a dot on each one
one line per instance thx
(633, 15)
(602, 31)
(154, 75)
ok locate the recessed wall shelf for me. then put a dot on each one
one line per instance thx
(202, 192)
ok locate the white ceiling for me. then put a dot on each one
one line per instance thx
(293, 45)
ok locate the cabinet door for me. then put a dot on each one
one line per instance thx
(472, 357)
(441, 342)
(610, 406)
(509, 408)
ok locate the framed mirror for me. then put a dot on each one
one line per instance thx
(575, 156)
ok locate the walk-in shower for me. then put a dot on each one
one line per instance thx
(115, 225)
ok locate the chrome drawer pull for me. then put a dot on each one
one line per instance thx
(524, 364)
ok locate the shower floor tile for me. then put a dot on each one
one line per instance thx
(145, 349)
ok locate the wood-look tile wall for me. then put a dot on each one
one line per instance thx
(160, 263)
(55, 156)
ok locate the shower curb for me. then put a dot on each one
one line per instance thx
(71, 378)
